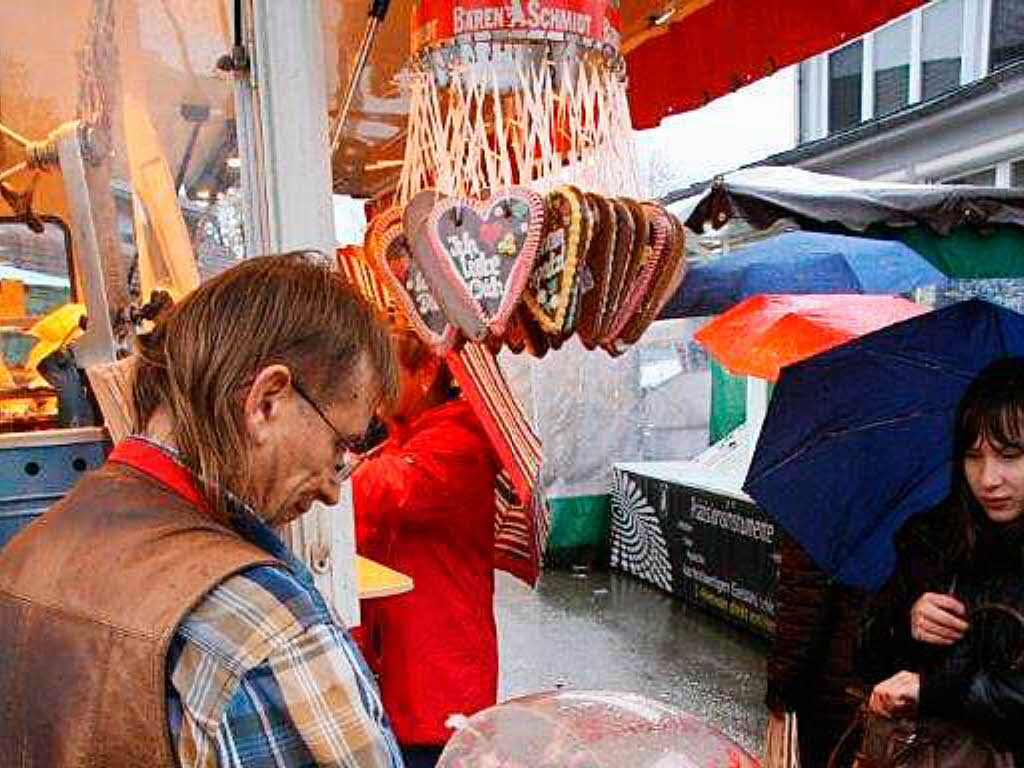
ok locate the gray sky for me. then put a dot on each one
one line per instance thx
(734, 130)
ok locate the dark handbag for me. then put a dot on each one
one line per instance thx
(918, 743)
(923, 742)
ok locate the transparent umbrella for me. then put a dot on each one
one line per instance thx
(590, 729)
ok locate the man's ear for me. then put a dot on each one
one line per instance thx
(269, 391)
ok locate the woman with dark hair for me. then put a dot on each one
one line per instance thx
(955, 659)
(425, 506)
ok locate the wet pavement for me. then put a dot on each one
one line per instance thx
(606, 630)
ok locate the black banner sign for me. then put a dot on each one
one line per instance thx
(716, 551)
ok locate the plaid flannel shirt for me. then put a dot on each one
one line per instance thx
(260, 673)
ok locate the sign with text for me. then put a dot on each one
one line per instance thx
(720, 549)
(435, 22)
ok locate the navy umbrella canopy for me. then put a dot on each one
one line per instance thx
(860, 438)
(800, 263)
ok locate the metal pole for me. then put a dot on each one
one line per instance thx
(357, 72)
(378, 10)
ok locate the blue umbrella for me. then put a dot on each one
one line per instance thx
(860, 438)
(801, 262)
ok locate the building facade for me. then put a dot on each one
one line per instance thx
(936, 95)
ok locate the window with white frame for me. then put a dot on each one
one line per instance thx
(892, 67)
(917, 57)
(1005, 173)
(985, 177)
(845, 67)
(1017, 174)
(1007, 36)
(941, 43)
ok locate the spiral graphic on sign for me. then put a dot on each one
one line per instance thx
(638, 544)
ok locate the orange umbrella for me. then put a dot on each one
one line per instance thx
(762, 334)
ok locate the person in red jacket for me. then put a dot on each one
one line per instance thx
(424, 505)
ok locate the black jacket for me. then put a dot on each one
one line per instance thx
(976, 680)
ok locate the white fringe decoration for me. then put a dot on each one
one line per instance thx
(469, 135)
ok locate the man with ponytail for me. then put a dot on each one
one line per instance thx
(154, 616)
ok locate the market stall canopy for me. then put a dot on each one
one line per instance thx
(763, 334)
(679, 56)
(801, 263)
(688, 53)
(859, 439)
(764, 194)
(165, 53)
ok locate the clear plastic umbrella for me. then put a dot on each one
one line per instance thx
(590, 729)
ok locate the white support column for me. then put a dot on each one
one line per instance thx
(821, 94)
(284, 145)
(291, 104)
(867, 81)
(757, 408)
(984, 42)
(916, 65)
(1003, 175)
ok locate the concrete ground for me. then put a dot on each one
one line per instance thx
(604, 630)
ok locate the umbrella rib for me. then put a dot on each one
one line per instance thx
(919, 364)
(833, 433)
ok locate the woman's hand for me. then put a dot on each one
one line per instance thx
(938, 619)
(896, 696)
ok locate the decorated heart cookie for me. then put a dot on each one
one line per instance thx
(637, 259)
(666, 274)
(480, 257)
(389, 252)
(625, 234)
(597, 271)
(515, 334)
(535, 340)
(677, 259)
(658, 231)
(582, 280)
(549, 293)
(417, 209)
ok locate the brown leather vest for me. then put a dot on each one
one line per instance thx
(90, 596)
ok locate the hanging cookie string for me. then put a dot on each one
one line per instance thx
(510, 115)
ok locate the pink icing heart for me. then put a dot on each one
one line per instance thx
(481, 254)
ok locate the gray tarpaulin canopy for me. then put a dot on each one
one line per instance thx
(763, 194)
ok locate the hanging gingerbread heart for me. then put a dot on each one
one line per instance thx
(664, 284)
(418, 208)
(637, 260)
(582, 280)
(625, 235)
(651, 283)
(480, 256)
(389, 252)
(678, 272)
(598, 270)
(549, 294)
(515, 334)
(658, 230)
(535, 340)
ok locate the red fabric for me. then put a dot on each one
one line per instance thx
(144, 456)
(764, 333)
(425, 506)
(730, 43)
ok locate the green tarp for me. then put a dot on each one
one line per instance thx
(728, 402)
(580, 527)
(986, 253)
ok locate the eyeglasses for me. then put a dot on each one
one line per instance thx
(349, 453)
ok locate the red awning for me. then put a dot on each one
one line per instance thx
(727, 44)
